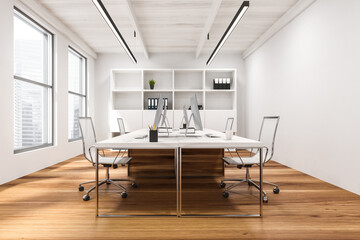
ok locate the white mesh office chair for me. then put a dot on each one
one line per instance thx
(267, 136)
(89, 139)
(229, 124)
(121, 126)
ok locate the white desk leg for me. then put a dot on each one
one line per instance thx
(261, 182)
(97, 181)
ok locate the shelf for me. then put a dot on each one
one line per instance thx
(188, 79)
(154, 94)
(188, 90)
(183, 98)
(212, 74)
(163, 79)
(158, 90)
(127, 100)
(130, 90)
(124, 91)
(220, 90)
(126, 80)
(220, 100)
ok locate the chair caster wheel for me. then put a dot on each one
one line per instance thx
(222, 185)
(134, 185)
(86, 197)
(108, 183)
(276, 190)
(123, 194)
(265, 199)
(81, 188)
(225, 194)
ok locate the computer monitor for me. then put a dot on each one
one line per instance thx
(185, 117)
(164, 118)
(196, 113)
(159, 111)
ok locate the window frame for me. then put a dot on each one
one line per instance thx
(85, 76)
(50, 73)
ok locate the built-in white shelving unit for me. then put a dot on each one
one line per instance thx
(129, 91)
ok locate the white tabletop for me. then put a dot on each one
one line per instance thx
(176, 139)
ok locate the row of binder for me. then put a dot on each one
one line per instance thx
(153, 103)
(221, 83)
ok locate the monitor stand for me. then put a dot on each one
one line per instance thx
(165, 126)
(188, 129)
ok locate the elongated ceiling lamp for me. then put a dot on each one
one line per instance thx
(244, 6)
(104, 13)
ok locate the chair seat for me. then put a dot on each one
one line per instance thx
(110, 160)
(245, 160)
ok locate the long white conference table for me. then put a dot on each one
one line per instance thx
(206, 139)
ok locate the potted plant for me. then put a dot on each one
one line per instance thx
(152, 83)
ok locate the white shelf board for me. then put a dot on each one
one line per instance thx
(158, 90)
(189, 90)
(126, 90)
(220, 90)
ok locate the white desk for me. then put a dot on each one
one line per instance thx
(177, 142)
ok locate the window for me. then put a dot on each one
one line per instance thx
(33, 84)
(77, 92)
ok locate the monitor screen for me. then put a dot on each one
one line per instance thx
(158, 113)
(195, 112)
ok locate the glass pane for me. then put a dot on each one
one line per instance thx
(76, 110)
(30, 51)
(32, 115)
(76, 76)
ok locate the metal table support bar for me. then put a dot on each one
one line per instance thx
(178, 173)
(226, 215)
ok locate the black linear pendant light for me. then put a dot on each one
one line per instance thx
(244, 6)
(104, 13)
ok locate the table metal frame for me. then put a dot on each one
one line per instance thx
(178, 175)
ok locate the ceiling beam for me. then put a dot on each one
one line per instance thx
(285, 19)
(43, 13)
(134, 23)
(209, 22)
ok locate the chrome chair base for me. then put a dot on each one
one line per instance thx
(108, 180)
(250, 182)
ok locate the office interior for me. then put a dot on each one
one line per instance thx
(293, 61)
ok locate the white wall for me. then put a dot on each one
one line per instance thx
(309, 74)
(17, 165)
(106, 62)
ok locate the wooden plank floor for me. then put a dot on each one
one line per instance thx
(47, 205)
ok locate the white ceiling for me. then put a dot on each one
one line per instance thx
(168, 25)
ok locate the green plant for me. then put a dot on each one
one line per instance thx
(152, 82)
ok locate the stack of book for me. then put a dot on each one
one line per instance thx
(153, 103)
(221, 83)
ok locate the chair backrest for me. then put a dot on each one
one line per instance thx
(88, 135)
(229, 124)
(268, 133)
(121, 126)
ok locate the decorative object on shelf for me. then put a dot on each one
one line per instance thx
(152, 83)
(153, 103)
(221, 83)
